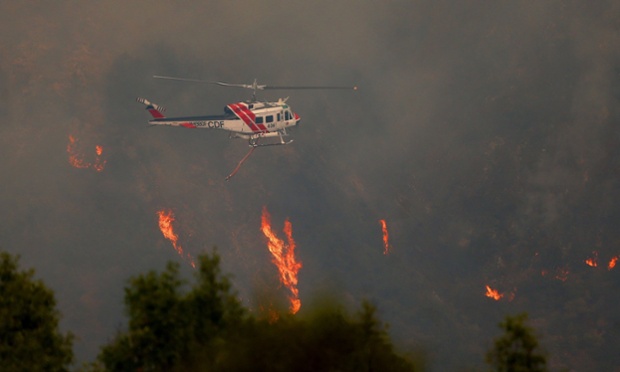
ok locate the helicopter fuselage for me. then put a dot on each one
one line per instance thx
(244, 119)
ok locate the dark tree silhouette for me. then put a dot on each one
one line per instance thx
(166, 326)
(29, 335)
(208, 329)
(517, 349)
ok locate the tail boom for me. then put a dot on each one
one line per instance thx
(154, 109)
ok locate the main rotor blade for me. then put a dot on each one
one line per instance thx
(184, 79)
(307, 87)
(254, 86)
(203, 81)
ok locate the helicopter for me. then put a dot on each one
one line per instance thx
(252, 120)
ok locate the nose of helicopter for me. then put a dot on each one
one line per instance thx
(297, 118)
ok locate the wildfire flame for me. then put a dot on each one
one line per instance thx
(99, 162)
(73, 158)
(493, 293)
(386, 244)
(592, 261)
(165, 225)
(612, 263)
(283, 257)
(78, 162)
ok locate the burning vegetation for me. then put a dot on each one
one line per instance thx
(386, 237)
(592, 261)
(77, 161)
(493, 293)
(283, 257)
(166, 217)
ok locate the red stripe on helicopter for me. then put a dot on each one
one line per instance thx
(154, 113)
(242, 113)
(187, 125)
(247, 116)
(261, 127)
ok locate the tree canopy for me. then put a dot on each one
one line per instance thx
(29, 335)
(517, 349)
(207, 328)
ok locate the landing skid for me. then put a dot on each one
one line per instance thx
(253, 142)
(256, 144)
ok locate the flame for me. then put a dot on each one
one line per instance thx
(493, 293)
(612, 263)
(78, 162)
(592, 261)
(165, 225)
(386, 244)
(99, 162)
(73, 158)
(283, 257)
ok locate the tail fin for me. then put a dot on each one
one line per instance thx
(154, 109)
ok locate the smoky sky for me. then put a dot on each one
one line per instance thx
(485, 134)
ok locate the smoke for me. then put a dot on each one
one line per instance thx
(483, 132)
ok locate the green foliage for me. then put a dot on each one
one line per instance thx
(327, 340)
(166, 325)
(208, 329)
(29, 336)
(212, 305)
(157, 327)
(516, 350)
